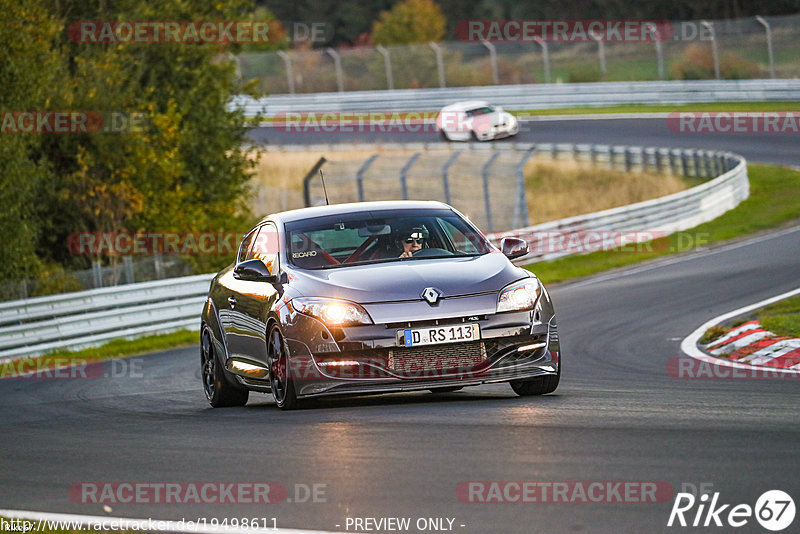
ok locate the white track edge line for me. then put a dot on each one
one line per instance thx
(145, 525)
(689, 343)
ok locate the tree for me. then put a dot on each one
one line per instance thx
(27, 72)
(410, 21)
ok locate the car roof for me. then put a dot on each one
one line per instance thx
(465, 105)
(354, 207)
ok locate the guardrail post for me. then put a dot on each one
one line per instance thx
(707, 164)
(404, 174)
(446, 175)
(764, 23)
(439, 62)
(486, 200)
(360, 176)
(337, 65)
(593, 154)
(387, 64)
(696, 163)
(493, 61)
(545, 58)
(289, 74)
(628, 159)
(684, 163)
(714, 51)
(610, 150)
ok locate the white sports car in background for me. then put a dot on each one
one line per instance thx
(475, 120)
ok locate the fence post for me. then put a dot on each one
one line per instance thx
(628, 159)
(521, 215)
(601, 51)
(439, 62)
(387, 63)
(97, 273)
(289, 74)
(545, 58)
(127, 265)
(493, 61)
(446, 177)
(657, 160)
(360, 176)
(486, 199)
(158, 263)
(404, 174)
(767, 28)
(659, 50)
(307, 181)
(714, 51)
(337, 65)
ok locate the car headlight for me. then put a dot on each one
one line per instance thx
(519, 296)
(332, 312)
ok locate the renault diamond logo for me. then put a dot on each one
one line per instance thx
(431, 295)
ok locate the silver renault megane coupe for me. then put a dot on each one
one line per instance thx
(374, 297)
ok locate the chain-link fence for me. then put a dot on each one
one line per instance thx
(759, 47)
(127, 271)
(487, 186)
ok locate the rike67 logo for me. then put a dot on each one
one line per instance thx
(774, 510)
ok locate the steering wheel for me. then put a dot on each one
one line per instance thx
(427, 252)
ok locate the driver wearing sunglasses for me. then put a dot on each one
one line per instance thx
(413, 241)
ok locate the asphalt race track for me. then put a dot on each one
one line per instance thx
(778, 148)
(617, 416)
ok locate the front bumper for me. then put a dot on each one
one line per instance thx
(370, 359)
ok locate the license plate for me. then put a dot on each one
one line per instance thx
(434, 335)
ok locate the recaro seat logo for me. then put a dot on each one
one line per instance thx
(774, 510)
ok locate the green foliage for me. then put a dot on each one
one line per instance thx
(697, 63)
(410, 21)
(180, 168)
(782, 318)
(26, 74)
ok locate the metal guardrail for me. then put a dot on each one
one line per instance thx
(532, 96)
(658, 217)
(35, 326)
(32, 327)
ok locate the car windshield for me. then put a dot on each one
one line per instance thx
(485, 110)
(381, 236)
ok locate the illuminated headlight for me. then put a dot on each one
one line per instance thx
(331, 311)
(519, 296)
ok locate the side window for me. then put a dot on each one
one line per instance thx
(266, 247)
(245, 246)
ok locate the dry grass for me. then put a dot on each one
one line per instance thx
(563, 188)
(555, 188)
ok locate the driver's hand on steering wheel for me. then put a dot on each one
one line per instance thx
(406, 254)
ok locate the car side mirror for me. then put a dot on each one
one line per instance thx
(254, 271)
(513, 247)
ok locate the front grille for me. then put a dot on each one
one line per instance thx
(445, 359)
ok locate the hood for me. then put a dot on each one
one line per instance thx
(405, 280)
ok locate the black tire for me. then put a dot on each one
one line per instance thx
(217, 387)
(280, 380)
(541, 385)
(474, 137)
(450, 389)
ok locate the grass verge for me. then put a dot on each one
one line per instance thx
(782, 318)
(774, 201)
(113, 349)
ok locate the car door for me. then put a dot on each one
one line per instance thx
(250, 302)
